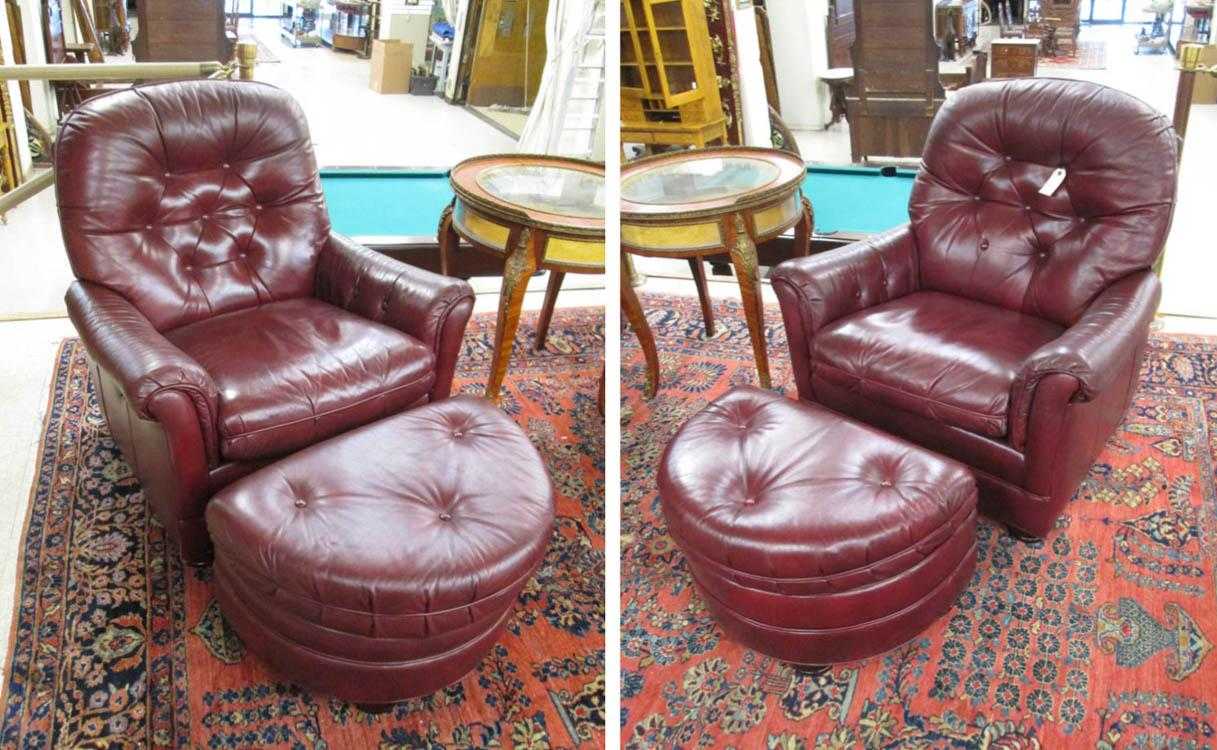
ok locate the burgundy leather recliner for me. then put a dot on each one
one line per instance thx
(1001, 326)
(227, 324)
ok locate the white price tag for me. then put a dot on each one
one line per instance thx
(1053, 182)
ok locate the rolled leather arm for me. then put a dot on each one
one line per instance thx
(125, 344)
(433, 309)
(1092, 349)
(831, 285)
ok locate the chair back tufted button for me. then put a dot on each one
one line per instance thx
(445, 516)
(1003, 142)
(984, 244)
(300, 502)
(180, 165)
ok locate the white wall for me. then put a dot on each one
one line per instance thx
(1188, 266)
(800, 53)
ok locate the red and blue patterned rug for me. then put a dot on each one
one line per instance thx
(1098, 637)
(116, 644)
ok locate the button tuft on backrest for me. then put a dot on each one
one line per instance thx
(168, 151)
(1120, 159)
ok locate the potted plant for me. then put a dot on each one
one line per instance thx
(422, 82)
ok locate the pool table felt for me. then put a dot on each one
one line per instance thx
(398, 202)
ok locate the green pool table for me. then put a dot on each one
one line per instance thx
(397, 210)
(851, 202)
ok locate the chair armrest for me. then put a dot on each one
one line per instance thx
(818, 289)
(1091, 350)
(433, 309)
(125, 344)
(831, 285)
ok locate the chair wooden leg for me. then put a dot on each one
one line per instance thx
(743, 257)
(547, 308)
(638, 321)
(703, 293)
(520, 266)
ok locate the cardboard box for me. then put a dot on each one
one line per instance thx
(391, 59)
(1204, 90)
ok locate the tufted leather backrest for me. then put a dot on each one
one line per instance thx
(985, 232)
(191, 199)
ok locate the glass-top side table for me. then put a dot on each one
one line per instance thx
(536, 212)
(703, 202)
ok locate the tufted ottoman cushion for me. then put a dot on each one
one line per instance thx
(813, 538)
(382, 564)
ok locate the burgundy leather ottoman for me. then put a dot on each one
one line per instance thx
(382, 564)
(812, 538)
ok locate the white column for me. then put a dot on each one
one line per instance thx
(800, 54)
(458, 37)
(754, 106)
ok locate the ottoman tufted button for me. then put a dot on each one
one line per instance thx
(984, 245)
(301, 502)
(886, 483)
(445, 516)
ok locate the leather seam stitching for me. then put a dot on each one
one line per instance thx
(523, 578)
(948, 523)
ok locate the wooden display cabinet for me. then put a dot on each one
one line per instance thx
(669, 91)
(348, 25)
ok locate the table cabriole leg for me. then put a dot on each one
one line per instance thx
(698, 267)
(803, 230)
(742, 250)
(547, 308)
(448, 239)
(632, 308)
(520, 266)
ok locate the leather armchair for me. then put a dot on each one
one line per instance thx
(1002, 326)
(227, 324)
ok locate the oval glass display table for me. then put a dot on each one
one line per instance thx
(702, 202)
(537, 212)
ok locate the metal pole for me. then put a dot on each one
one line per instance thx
(109, 71)
(26, 190)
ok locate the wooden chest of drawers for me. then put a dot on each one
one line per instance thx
(1013, 58)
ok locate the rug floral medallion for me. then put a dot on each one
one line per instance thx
(116, 644)
(1099, 636)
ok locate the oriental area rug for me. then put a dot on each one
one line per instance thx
(116, 644)
(1099, 637)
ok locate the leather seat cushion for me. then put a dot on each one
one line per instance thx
(425, 515)
(943, 357)
(294, 372)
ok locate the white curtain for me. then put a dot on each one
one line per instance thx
(568, 26)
